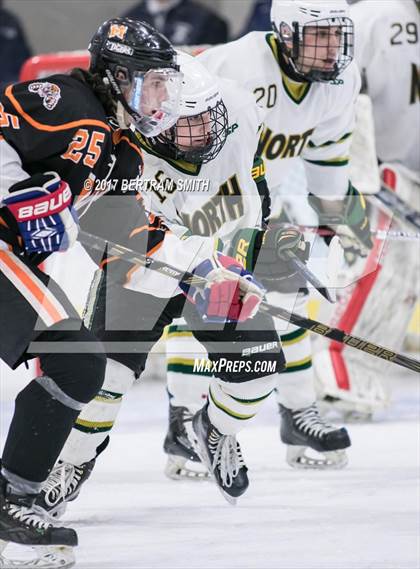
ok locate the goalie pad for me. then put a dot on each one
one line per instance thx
(377, 307)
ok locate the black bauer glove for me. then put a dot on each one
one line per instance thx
(273, 262)
(264, 252)
(351, 226)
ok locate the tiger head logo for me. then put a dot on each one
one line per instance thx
(50, 93)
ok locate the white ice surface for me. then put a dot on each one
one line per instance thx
(129, 516)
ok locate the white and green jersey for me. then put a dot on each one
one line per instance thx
(387, 52)
(205, 205)
(311, 121)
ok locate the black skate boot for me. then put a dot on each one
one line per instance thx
(222, 454)
(63, 485)
(22, 522)
(301, 429)
(180, 449)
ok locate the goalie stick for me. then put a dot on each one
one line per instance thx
(398, 206)
(114, 249)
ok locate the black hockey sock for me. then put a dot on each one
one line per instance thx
(39, 429)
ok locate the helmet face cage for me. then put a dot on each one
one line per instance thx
(319, 50)
(198, 139)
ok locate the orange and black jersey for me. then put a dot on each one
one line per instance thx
(58, 124)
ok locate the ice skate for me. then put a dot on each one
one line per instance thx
(63, 485)
(22, 522)
(180, 450)
(222, 454)
(304, 429)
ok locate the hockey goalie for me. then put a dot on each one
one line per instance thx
(379, 305)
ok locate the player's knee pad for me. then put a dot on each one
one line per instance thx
(90, 434)
(241, 352)
(118, 377)
(257, 361)
(232, 405)
(259, 388)
(187, 387)
(261, 355)
(75, 363)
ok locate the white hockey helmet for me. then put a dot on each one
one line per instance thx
(316, 36)
(200, 132)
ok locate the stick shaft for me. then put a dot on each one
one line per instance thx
(309, 276)
(314, 326)
(381, 234)
(398, 206)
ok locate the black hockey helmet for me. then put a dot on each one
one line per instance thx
(140, 66)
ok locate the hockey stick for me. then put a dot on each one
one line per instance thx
(397, 206)
(310, 277)
(114, 249)
(380, 234)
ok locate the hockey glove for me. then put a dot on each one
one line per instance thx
(273, 262)
(231, 295)
(42, 208)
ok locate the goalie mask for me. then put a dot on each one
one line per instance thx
(139, 64)
(200, 132)
(316, 37)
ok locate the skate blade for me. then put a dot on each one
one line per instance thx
(47, 557)
(176, 469)
(298, 458)
(231, 500)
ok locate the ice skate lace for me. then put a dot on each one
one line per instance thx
(28, 516)
(62, 481)
(310, 422)
(227, 456)
(181, 416)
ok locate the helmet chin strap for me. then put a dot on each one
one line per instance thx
(121, 116)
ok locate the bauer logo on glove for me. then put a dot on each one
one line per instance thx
(42, 208)
(231, 295)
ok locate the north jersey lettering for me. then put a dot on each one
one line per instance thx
(273, 146)
(226, 205)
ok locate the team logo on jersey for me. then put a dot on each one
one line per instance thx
(50, 93)
(231, 129)
(117, 31)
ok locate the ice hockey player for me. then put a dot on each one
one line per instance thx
(303, 77)
(386, 41)
(203, 148)
(59, 136)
